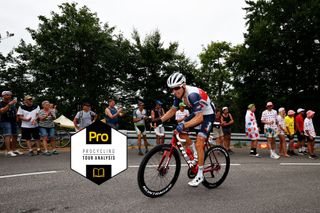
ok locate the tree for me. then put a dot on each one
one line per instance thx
(214, 71)
(154, 64)
(279, 59)
(74, 58)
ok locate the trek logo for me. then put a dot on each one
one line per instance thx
(99, 152)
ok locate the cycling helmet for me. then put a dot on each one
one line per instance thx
(159, 102)
(176, 80)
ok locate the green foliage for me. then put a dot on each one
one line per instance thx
(214, 70)
(74, 59)
(279, 60)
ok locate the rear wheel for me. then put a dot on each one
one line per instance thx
(158, 171)
(216, 166)
(22, 143)
(1, 141)
(62, 138)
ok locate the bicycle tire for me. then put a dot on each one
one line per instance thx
(161, 174)
(62, 138)
(1, 141)
(22, 143)
(218, 157)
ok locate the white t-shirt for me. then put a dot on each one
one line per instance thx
(139, 114)
(27, 112)
(270, 116)
(183, 114)
(85, 118)
(308, 125)
(281, 123)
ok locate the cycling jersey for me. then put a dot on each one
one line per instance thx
(197, 99)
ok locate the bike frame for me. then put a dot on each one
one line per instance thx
(176, 143)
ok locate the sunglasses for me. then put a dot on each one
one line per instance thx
(175, 88)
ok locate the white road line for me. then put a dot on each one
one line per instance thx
(29, 174)
(183, 165)
(300, 164)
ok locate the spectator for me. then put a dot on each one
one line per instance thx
(53, 107)
(282, 130)
(8, 123)
(112, 114)
(158, 112)
(226, 123)
(139, 117)
(85, 117)
(252, 130)
(182, 113)
(217, 129)
(310, 133)
(46, 127)
(269, 119)
(299, 121)
(28, 114)
(289, 121)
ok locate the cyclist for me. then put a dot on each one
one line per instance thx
(203, 113)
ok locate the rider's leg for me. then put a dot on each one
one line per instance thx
(200, 149)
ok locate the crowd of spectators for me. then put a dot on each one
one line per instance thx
(38, 125)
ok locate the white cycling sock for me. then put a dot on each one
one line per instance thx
(200, 171)
(195, 154)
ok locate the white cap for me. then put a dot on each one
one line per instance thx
(300, 110)
(224, 108)
(6, 93)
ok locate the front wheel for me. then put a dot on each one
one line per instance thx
(62, 138)
(216, 166)
(159, 170)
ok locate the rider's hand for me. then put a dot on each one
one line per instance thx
(180, 127)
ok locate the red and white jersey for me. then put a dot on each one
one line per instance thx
(197, 99)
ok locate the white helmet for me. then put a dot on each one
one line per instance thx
(176, 80)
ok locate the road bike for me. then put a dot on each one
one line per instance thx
(62, 138)
(1, 141)
(160, 168)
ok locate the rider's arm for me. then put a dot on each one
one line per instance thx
(169, 114)
(196, 120)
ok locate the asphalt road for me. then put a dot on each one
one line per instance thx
(253, 185)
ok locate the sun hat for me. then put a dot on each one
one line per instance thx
(291, 112)
(6, 93)
(27, 97)
(310, 113)
(182, 105)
